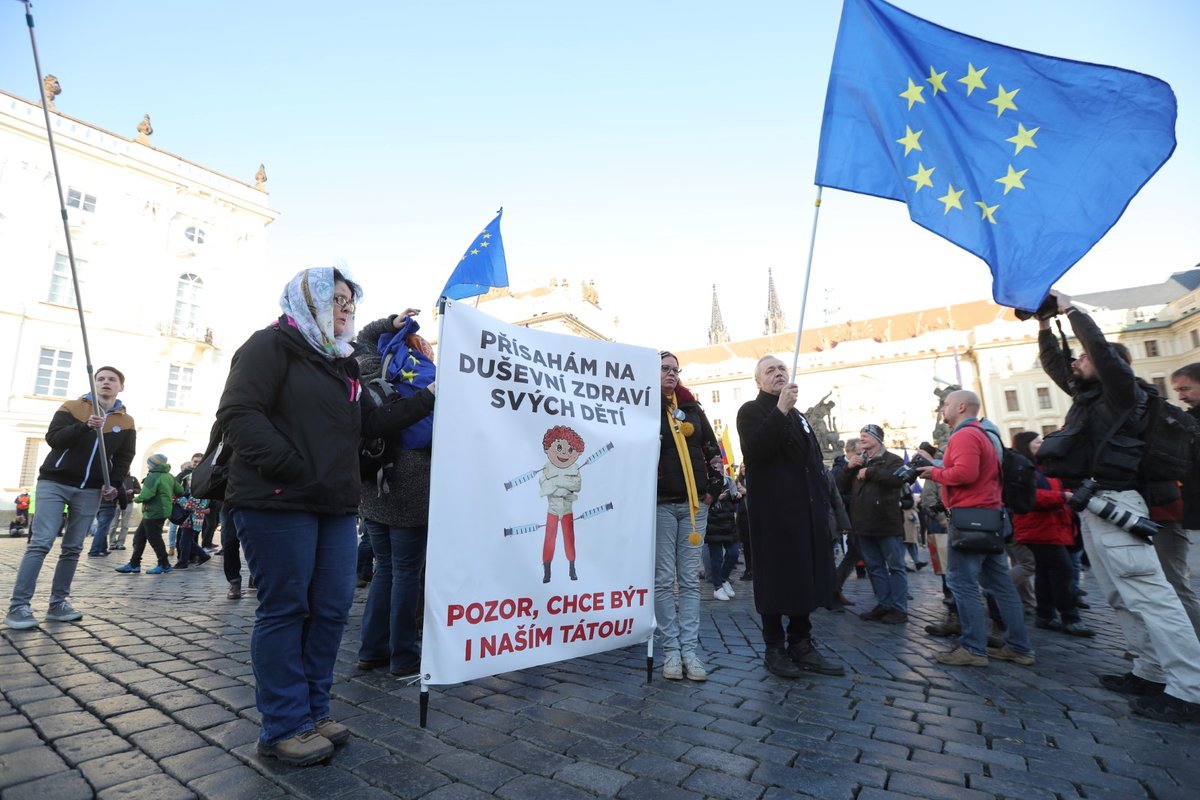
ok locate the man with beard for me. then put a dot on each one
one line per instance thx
(789, 522)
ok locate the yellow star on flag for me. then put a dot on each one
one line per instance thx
(1024, 138)
(1012, 180)
(935, 79)
(911, 141)
(951, 199)
(1003, 100)
(487, 236)
(913, 94)
(483, 244)
(474, 252)
(973, 79)
(922, 177)
(408, 375)
(988, 211)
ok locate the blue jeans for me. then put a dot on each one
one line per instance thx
(52, 498)
(722, 558)
(303, 567)
(967, 572)
(100, 529)
(365, 559)
(884, 556)
(389, 626)
(677, 561)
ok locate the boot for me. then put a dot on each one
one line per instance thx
(545, 572)
(235, 590)
(950, 626)
(806, 657)
(572, 574)
(779, 663)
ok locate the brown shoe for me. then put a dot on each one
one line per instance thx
(235, 590)
(894, 617)
(333, 730)
(300, 750)
(961, 657)
(1006, 653)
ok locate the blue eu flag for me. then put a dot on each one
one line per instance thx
(1022, 159)
(481, 267)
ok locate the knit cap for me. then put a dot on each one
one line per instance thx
(874, 431)
(157, 460)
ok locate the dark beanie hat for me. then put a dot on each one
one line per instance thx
(874, 431)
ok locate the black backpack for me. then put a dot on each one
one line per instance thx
(1172, 440)
(375, 456)
(1018, 477)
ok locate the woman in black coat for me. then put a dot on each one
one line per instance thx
(290, 418)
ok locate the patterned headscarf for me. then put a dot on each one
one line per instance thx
(308, 302)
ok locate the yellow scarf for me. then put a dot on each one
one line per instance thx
(680, 432)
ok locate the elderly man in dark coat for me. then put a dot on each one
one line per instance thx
(789, 522)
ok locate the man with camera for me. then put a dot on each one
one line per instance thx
(1100, 450)
(970, 479)
(874, 486)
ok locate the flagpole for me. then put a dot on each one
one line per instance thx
(807, 276)
(62, 206)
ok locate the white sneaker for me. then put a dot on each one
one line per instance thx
(694, 669)
(729, 589)
(720, 594)
(673, 667)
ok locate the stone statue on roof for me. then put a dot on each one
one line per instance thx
(824, 425)
(53, 89)
(260, 178)
(145, 129)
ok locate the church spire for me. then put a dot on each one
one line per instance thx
(716, 328)
(773, 322)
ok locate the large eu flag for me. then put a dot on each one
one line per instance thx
(481, 267)
(1024, 160)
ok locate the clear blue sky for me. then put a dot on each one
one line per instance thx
(656, 148)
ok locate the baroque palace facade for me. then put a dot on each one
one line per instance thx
(160, 246)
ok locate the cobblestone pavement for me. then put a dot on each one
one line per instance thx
(151, 696)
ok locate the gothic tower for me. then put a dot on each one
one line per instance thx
(773, 322)
(716, 327)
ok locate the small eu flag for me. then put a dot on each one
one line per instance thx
(481, 267)
(1022, 159)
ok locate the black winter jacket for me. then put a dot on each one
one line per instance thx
(875, 500)
(291, 421)
(702, 446)
(1097, 405)
(1191, 489)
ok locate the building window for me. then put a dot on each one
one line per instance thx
(62, 288)
(1043, 396)
(1151, 348)
(717, 426)
(1160, 383)
(179, 386)
(53, 373)
(29, 463)
(1012, 432)
(1195, 338)
(194, 235)
(1010, 400)
(1048, 429)
(84, 202)
(716, 396)
(187, 300)
(737, 394)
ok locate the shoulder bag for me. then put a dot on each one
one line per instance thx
(977, 530)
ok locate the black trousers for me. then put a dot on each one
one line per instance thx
(150, 530)
(1052, 584)
(799, 629)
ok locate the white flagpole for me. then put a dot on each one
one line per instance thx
(807, 275)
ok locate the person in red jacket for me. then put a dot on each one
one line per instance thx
(1046, 531)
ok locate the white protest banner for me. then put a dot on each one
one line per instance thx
(541, 511)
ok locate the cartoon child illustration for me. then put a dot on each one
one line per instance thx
(559, 484)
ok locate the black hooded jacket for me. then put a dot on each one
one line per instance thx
(291, 419)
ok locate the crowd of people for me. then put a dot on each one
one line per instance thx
(293, 417)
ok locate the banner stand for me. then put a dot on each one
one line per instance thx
(424, 703)
(650, 659)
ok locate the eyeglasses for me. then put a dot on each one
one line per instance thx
(672, 370)
(344, 303)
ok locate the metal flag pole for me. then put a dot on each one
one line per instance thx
(87, 353)
(807, 275)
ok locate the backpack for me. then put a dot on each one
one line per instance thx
(1172, 440)
(1018, 478)
(374, 455)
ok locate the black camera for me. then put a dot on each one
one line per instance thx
(1048, 309)
(908, 472)
(1123, 517)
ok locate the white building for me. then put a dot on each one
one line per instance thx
(161, 246)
